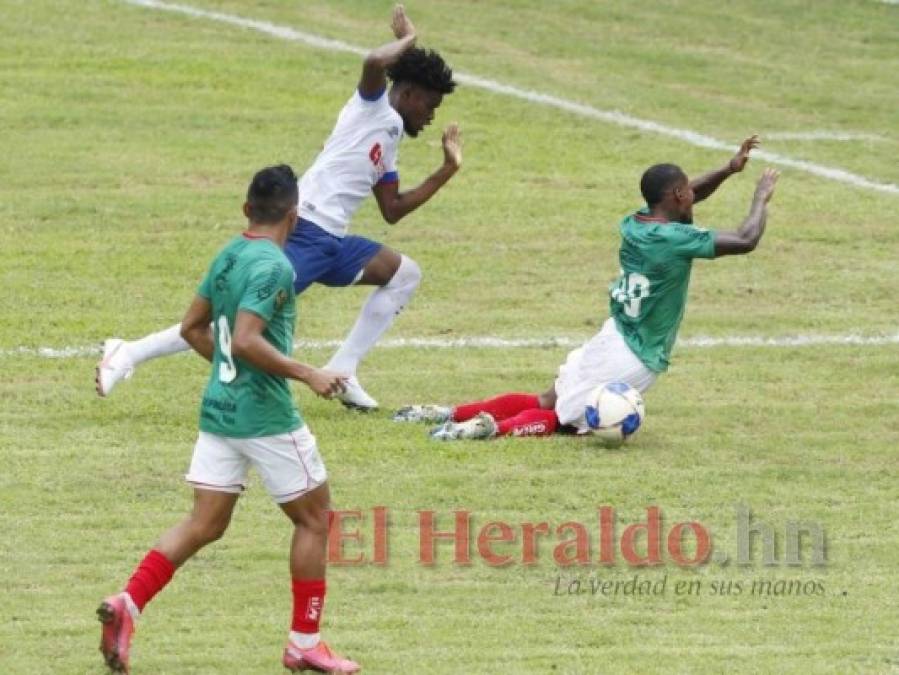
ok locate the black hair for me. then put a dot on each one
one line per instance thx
(657, 180)
(423, 67)
(272, 193)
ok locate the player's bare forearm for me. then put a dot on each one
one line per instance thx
(250, 346)
(260, 353)
(705, 185)
(376, 63)
(396, 205)
(254, 349)
(748, 235)
(201, 341)
(196, 329)
(323, 382)
(380, 59)
(753, 227)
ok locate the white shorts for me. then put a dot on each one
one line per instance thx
(289, 464)
(604, 358)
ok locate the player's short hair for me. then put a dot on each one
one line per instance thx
(659, 179)
(272, 193)
(423, 67)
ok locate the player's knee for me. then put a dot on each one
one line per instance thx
(311, 514)
(313, 521)
(319, 525)
(548, 399)
(407, 276)
(208, 531)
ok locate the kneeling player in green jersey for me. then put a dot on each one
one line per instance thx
(242, 321)
(658, 245)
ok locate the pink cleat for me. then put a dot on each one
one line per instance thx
(118, 627)
(320, 659)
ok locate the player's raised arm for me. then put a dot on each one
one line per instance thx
(705, 185)
(249, 344)
(395, 205)
(374, 68)
(196, 328)
(747, 237)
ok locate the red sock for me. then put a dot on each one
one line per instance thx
(529, 423)
(500, 408)
(308, 603)
(150, 577)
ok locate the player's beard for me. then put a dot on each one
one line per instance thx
(687, 217)
(410, 132)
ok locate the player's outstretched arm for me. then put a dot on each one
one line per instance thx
(249, 345)
(374, 68)
(395, 205)
(705, 185)
(747, 237)
(196, 329)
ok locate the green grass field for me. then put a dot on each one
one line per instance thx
(128, 136)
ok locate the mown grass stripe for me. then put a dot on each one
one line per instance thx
(611, 116)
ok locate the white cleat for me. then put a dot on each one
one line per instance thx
(115, 366)
(432, 414)
(479, 427)
(355, 397)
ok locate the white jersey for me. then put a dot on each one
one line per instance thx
(360, 153)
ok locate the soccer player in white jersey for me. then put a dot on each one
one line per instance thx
(658, 245)
(358, 158)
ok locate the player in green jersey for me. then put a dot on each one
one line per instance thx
(242, 321)
(646, 303)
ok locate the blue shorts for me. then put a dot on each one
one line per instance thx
(319, 256)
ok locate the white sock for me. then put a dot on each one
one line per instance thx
(304, 640)
(377, 314)
(163, 343)
(132, 608)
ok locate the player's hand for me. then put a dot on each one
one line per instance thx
(327, 383)
(452, 146)
(739, 160)
(765, 188)
(400, 23)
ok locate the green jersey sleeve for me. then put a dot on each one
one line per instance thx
(689, 241)
(205, 287)
(267, 290)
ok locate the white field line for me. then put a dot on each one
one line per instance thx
(610, 116)
(821, 135)
(490, 342)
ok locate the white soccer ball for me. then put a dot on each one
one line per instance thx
(614, 412)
